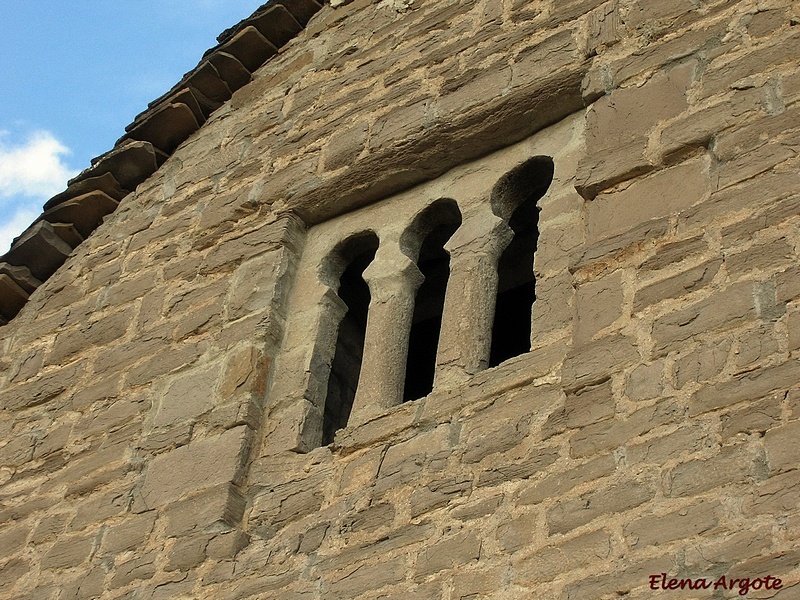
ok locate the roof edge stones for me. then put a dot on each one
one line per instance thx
(71, 216)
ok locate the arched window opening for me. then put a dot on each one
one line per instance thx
(354, 255)
(515, 198)
(425, 239)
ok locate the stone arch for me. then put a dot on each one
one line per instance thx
(424, 241)
(515, 199)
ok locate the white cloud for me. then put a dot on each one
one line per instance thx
(12, 226)
(35, 168)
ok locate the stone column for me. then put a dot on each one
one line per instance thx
(393, 280)
(466, 336)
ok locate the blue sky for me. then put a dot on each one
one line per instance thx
(74, 74)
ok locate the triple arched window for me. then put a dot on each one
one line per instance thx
(415, 293)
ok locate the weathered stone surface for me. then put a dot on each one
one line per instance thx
(780, 446)
(644, 201)
(130, 164)
(677, 285)
(566, 515)
(68, 552)
(21, 275)
(618, 127)
(451, 552)
(733, 464)
(548, 563)
(166, 127)
(746, 386)
(722, 309)
(39, 249)
(202, 464)
(685, 523)
(12, 297)
(595, 361)
(609, 434)
(597, 305)
(586, 406)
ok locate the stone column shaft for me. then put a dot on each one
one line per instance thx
(393, 281)
(466, 336)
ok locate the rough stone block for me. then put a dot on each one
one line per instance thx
(84, 212)
(68, 552)
(202, 464)
(597, 305)
(618, 126)
(750, 385)
(677, 285)
(588, 405)
(451, 552)
(595, 361)
(130, 164)
(530, 465)
(439, 493)
(670, 446)
(100, 331)
(39, 249)
(217, 508)
(362, 578)
(130, 534)
(551, 561)
(734, 305)
(282, 504)
(703, 363)
(682, 524)
(615, 499)
(518, 532)
(603, 436)
(674, 252)
(777, 495)
(781, 447)
(733, 464)
(660, 195)
(769, 256)
(137, 568)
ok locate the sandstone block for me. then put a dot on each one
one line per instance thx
(473, 584)
(558, 484)
(13, 539)
(438, 493)
(12, 297)
(547, 563)
(106, 183)
(681, 442)
(677, 285)
(98, 332)
(674, 252)
(84, 212)
(476, 508)
(681, 524)
(596, 360)
(99, 507)
(187, 553)
(451, 552)
(587, 405)
(46, 388)
(220, 507)
(778, 495)
(733, 464)
(130, 534)
(618, 125)
(615, 499)
(722, 309)
(499, 474)
(374, 517)
(597, 305)
(138, 568)
(188, 396)
(276, 507)
(664, 193)
(362, 578)
(203, 464)
(645, 382)
(750, 385)
(39, 249)
(130, 164)
(780, 444)
(770, 256)
(250, 47)
(621, 582)
(610, 434)
(517, 533)
(743, 231)
(68, 552)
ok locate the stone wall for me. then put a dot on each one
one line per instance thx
(648, 431)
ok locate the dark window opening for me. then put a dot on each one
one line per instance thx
(441, 220)
(346, 364)
(515, 198)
